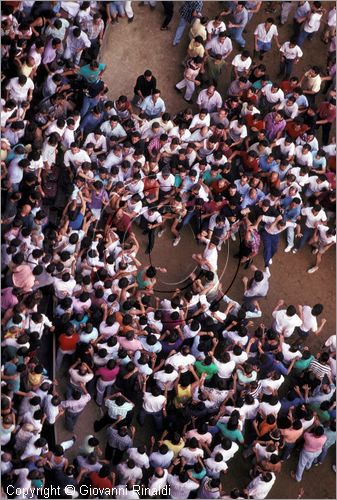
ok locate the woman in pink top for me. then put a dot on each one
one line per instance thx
(107, 376)
(313, 443)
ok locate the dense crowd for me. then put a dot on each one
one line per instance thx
(87, 178)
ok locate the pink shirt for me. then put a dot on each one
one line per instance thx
(313, 443)
(8, 300)
(130, 345)
(23, 277)
(106, 374)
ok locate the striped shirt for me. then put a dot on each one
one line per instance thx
(319, 369)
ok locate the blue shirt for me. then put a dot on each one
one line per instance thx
(291, 214)
(153, 108)
(265, 166)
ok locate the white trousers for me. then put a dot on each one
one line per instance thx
(190, 87)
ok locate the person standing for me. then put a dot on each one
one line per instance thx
(188, 11)
(168, 11)
(314, 442)
(237, 23)
(190, 78)
(312, 23)
(290, 54)
(302, 10)
(263, 35)
(145, 85)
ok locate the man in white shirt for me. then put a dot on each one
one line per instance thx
(263, 35)
(20, 89)
(312, 23)
(75, 156)
(324, 238)
(291, 53)
(314, 216)
(209, 99)
(285, 320)
(241, 64)
(154, 405)
(76, 42)
(220, 45)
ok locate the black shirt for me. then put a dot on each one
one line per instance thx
(146, 87)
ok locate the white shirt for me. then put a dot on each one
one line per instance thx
(288, 356)
(263, 35)
(291, 52)
(313, 23)
(309, 321)
(215, 47)
(227, 454)
(211, 255)
(312, 219)
(152, 403)
(166, 184)
(17, 92)
(324, 238)
(240, 64)
(237, 133)
(285, 324)
(303, 158)
(272, 96)
(211, 103)
(215, 30)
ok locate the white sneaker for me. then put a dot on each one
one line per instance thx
(176, 241)
(160, 233)
(312, 270)
(288, 248)
(270, 262)
(315, 250)
(295, 250)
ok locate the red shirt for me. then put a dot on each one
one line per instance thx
(249, 164)
(67, 343)
(258, 124)
(294, 133)
(99, 482)
(123, 224)
(325, 113)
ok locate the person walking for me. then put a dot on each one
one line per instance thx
(314, 442)
(188, 11)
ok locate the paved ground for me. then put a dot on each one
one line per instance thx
(129, 49)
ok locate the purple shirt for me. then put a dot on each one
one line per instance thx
(97, 198)
(273, 128)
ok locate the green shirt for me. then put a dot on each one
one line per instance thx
(302, 364)
(210, 370)
(235, 435)
(91, 75)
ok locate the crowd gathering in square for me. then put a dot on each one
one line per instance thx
(90, 177)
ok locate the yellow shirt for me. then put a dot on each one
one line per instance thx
(176, 448)
(194, 50)
(198, 29)
(312, 83)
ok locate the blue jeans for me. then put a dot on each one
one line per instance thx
(305, 461)
(302, 37)
(265, 46)
(157, 418)
(286, 67)
(236, 34)
(180, 31)
(270, 244)
(307, 234)
(88, 104)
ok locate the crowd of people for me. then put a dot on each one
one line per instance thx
(187, 381)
